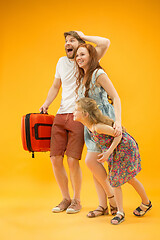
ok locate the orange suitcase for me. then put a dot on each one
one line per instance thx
(36, 132)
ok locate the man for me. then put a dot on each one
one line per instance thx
(67, 135)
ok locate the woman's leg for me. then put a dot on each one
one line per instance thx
(102, 197)
(102, 185)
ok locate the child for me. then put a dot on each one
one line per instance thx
(121, 153)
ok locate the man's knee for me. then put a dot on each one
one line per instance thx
(73, 163)
(57, 161)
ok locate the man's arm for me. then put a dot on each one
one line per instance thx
(53, 91)
(102, 44)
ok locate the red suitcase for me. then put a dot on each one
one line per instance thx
(36, 132)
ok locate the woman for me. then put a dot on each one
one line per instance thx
(94, 83)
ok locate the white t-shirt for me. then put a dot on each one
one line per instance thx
(65, 70)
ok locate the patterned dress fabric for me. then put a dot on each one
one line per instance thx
(125, 162)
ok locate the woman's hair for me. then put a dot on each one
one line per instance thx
(94, 113)
(93, 64)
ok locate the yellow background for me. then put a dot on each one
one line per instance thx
(31, 43)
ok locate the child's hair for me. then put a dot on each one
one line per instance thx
(94, 113)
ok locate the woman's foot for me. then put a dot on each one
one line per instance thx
(119, 218)
(98, 212)
(113, 207)
(142, 209)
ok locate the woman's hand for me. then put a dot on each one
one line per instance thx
(117, 129)
(102, 157)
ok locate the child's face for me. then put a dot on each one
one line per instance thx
(78, 114)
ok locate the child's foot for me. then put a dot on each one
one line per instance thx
(120, 217)
(113, 207)
(142, 209)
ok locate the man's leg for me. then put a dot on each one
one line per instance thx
(58, 146)
(76, 176)
(76, 180)
(62, 180)
(73, 152)
(60, 175)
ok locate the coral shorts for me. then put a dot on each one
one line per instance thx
(67, 136)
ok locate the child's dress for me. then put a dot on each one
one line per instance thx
(125, 162)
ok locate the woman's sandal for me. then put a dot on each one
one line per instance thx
(143, 212)
(113, 209)
(92, 214)
(118, 219)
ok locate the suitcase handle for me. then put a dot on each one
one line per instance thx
(43, 112)
(36, 131)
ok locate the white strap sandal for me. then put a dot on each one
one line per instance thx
(118, 219)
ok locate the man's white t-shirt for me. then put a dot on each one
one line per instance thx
(66, 70)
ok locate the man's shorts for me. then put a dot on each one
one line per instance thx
(67, 136)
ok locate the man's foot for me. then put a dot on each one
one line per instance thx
(62, 206)
(118, 218)
(142, 209)
(98, 212)
(74, 207)
(112, 204)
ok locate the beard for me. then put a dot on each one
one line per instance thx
(70, 53)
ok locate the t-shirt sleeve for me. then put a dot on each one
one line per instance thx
(57, 74)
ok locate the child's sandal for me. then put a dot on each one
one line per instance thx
(118, 219)
(113, 209)
(143, 212)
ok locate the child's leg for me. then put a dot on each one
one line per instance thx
(139, 189)
(119, 201)
(119, 198)
(142, 193)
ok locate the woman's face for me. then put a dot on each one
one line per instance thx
(82, 57)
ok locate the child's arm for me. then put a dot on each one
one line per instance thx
(105, 129)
